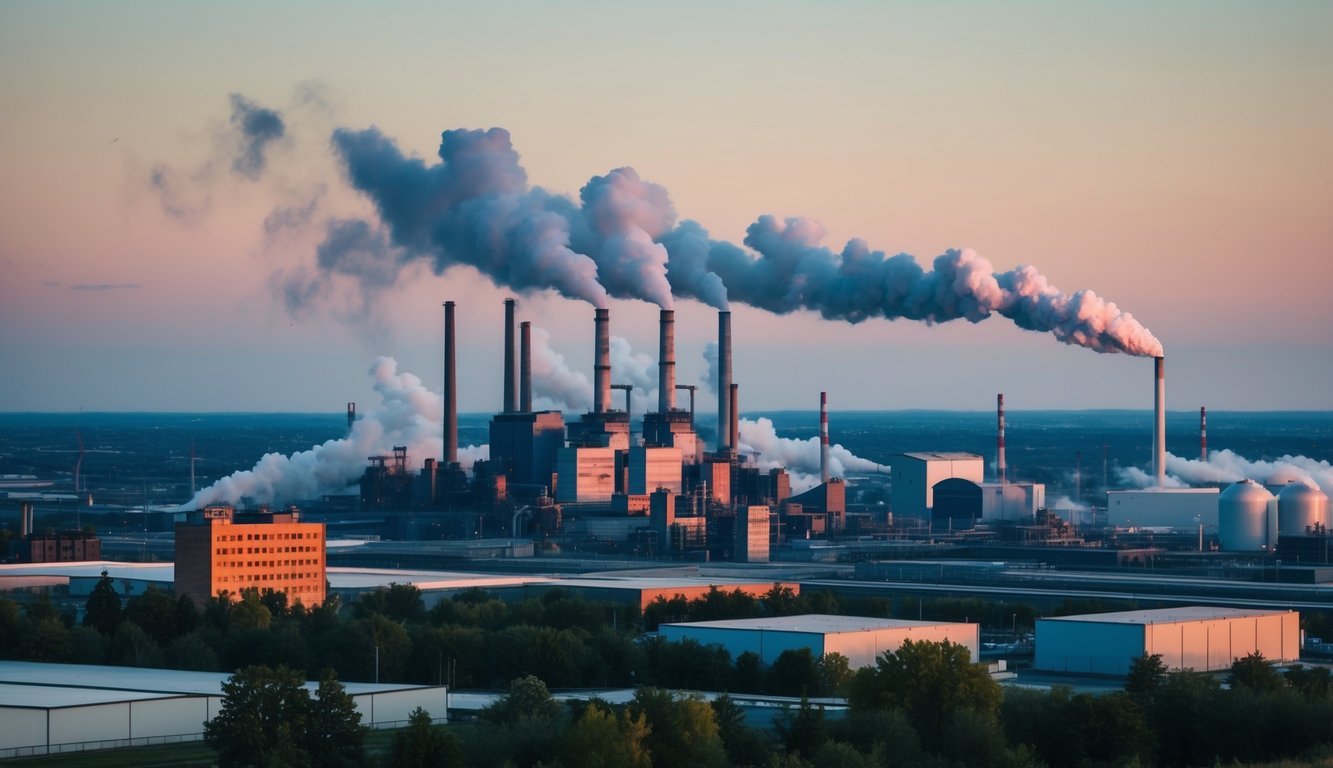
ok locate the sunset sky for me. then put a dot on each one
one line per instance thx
(1175, 158)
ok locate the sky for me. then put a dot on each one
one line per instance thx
(1173, 158)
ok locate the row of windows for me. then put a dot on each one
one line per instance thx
(262, 550)
(224, 564)
(266, 536)
(249, 579)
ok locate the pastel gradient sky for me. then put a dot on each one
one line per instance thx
(1175, 158)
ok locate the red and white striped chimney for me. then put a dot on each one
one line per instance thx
(999, 438)
(666, 362)
(1203, 433)
(450, 388)
(823, 437)
(601, 390)
(1159, 423)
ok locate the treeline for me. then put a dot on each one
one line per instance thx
(472, 640)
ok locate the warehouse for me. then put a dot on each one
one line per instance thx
(1198, 638)
(858, 638)
(54, 708)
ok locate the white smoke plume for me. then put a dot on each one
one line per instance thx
(1227, 466)
(709, 378)
(621, 239)
(556, 386)
(799, 457)
(409, 414)
(636, 369)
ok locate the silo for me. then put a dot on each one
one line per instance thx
(1300, 508)
(1242, 518)
(1281, 477)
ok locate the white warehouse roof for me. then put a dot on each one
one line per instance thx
(1168, 615)
(813, 623)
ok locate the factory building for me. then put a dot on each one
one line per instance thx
(652, 468)
(1162, 508)
(221, 550)
(829, 500)
(859, 639)
(916, 475)
(1011, 501)
(1198, 638)
(753, 534)
(586, 475)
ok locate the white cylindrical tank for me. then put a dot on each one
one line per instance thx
(1300, 508)
(1242, 518)
(1281, 478)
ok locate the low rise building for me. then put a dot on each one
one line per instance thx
(222, 550)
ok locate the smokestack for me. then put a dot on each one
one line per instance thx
(823, 437)
(723, 380)
(511, 400)
(525, 366)
(450, 388)
(25, 519)
(666, 362)
(601, 386)
(1203, 433)
(1159, 423)
(351, 416)
(999, 438)
(734, 428)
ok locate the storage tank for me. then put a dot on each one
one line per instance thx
(1281, 478)
(1301, 507)
(1243, 518)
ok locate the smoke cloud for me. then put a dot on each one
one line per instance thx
(256, 128)
(799, 457)
(1227, 466)
(621, 239)
(409, 414)
(556, 386)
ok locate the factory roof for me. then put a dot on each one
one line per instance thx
(24, 683)
(1168, 491)
(1168, 615)
(941, 455)
(813, 623)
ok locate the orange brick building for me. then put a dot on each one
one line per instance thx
(227, 551)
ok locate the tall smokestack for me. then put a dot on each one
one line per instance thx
(601, 386)
(999, 438)
(25, 519)
(351, 416)
(734, 428)
(1159, 423)
(723, 380)
(525, 367)
(511, 399)
(666, 362)
(450, 387)
(1203, 433)
(823, 437)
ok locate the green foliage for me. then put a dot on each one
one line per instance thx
(803, 731)
(681, 731)
(103, 609)
(602, 738)
(794, 673)
(264, 716)
(423, 745)
(1146, 674)
(929, 681)
(1254, 672)
(528, 697)
(334, 735)
(155, 613)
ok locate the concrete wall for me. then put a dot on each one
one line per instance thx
(1174, 508)
(768, 644)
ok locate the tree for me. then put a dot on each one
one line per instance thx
(602, 738)
(682, 731)
(422, 745)
(929, 681)
(1146, 674)
(1254, 672)
(794, 673)
(263, 717)
(804, 731)
(334, 734)
(103, 611)
(155, 613)
(527, 697)
(834, 674)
